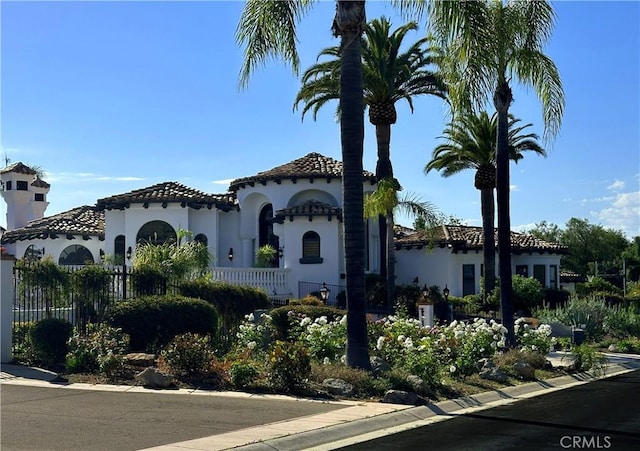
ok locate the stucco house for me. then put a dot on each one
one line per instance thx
(296, 207)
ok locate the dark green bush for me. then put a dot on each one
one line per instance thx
(49, 340)
(555, 297)
(528, 293)
(280, 317)
(101, 350)
(408, 296)
(153, 321)
(91, 285)
(233, 302)
(148, 281)
(596, 285)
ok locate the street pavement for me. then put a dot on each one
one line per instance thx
(39, 413)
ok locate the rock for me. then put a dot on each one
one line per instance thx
(525, 371)
(613, 348)
(154, 378)
(404, 397)
(548, 366)
(338, 387)
(417, 383)
(490, 372)
(379, 366)
(140, 359)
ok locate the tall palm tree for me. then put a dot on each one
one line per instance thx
(494, 43)
(267, 28)
(471, 144)
(390, 75)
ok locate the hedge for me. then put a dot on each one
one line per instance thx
(153, 321)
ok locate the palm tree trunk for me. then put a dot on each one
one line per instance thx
(349, 23)
(384, 170)
(489, 240)
(502, 99)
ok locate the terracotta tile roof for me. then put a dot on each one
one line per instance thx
(39, 183)
(19, 168)
(308, 208)
(464, 238)
(85, 221)
(311, 166)
(169, 192)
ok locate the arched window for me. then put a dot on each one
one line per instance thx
(156, 232)
(311, 248)
(75, 254)
(201, 238)
(119, 249)
(33, 253)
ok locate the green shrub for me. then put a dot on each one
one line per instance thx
(289, 366)
(588, 359)
(91, 285)
(309, 299)
(153, 321)
(189, 355)
(101, 349)
(596, 285)
(528, 293)
(50, 280)
(587, 313)
(407, 297)
(233, 302)
(148, 281)
(244, 373)
(49, 339)
(281, 317)
(556, 297)
(22, 349)
(622, 322)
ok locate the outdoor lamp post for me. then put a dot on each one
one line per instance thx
(129, 251)
(425, 292)
(230, 254)
(324, 292)
(445, 293)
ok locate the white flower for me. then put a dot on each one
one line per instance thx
(452, 369)
(305, 321)
(322, 320)
(343, 359)
(401, 338)
(380, 343)
(250, 317)
(251, 345)
(326, 361)
(343, 320)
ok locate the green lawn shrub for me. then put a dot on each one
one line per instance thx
(91, 286)
(153, 321)
(232, 302)
(22, 349)
(596, 285)
(528, 293)
(408, 297)
(282, 317)
(49, 340)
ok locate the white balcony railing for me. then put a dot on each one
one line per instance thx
(272, 280)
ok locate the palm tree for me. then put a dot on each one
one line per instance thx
(267, 28)
(493, 43)
(389, 76)
(385, 201)
(471, 144)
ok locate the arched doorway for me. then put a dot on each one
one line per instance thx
(265, 232)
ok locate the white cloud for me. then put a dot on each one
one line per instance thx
(223, 182)
(82, 177)
(616, 186)
(623, 214)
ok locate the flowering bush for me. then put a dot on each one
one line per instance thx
(462, 344)
(254, 334)
(102, 350)
(534, 339)
(325, 341)
(289, 365)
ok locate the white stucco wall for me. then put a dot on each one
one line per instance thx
(54, 247)
(229, 237)
(440, 266)
(6, 306)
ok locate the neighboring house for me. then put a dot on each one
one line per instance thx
(452, 256)
(295, 207)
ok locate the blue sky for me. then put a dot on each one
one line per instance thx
(108, 97)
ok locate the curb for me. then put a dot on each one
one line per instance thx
(340, 435)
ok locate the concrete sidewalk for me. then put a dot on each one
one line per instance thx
(354, 423)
